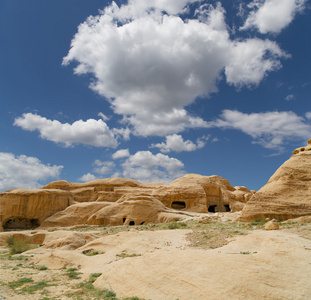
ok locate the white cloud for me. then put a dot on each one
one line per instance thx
(176, 143)
(91, 132)
(164, 123)
(103, 116)
(125, 132)
(146, 167)
(247, 65)
(121, 154)
(87, 177)
(289, 97)
(103, 167)
(150, 65)
(308, 115)
(272, 15)
(24, 171)
(270, 129)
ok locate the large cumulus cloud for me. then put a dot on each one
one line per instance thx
(150, 63)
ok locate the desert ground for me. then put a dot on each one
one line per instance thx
(207, 256)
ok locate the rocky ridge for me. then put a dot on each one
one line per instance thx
(118, 201)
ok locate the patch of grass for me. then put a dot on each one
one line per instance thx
(17, 245)
(124, 255)
(259, 222)
(19, 282)
(214, 234)
(18, 258)
(41, 268)
(94, 276)
(31, 289)
(72, 273)
(107, 294)
(10, 240)
(245, 252)
(176, 225)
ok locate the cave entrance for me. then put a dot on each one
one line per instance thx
(132, 223)
(212, 208)
(178, 205)
(227, 207)
(20, 224)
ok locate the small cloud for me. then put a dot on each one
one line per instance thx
(124, 132)
(271, 16)
(87, 177)
(289, 97)
(103, 167)
(176, 143)
(308, 115)
(104, 117)
(121, 154)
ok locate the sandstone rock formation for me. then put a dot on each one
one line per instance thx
(272, 225)
(288, 192)
(117, 201)
(24, 209)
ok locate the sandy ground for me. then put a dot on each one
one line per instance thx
(169, 264)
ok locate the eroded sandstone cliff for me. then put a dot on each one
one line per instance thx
(117, 201)
(287, 194)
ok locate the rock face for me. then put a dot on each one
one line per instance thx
(24, 209)
(117, 201)
(287, 194)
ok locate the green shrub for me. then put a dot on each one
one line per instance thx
(41, 268)
(19, 246)
(94, 276)
(72, 273)
(10, 240)
(176, 225)
(108, 294)
(20, 282)
(173, 225)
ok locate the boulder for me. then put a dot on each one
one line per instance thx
(272, 225)
(287, 194)
(66, 240)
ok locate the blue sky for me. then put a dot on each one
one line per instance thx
(152, 90)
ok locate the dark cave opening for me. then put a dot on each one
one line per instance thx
(178, 205)
(227, 207)
(20, 224)
(132, 223)
(212, 208)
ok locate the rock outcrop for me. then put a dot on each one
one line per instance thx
(287, 194)
(25, 209)
(117, 201)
